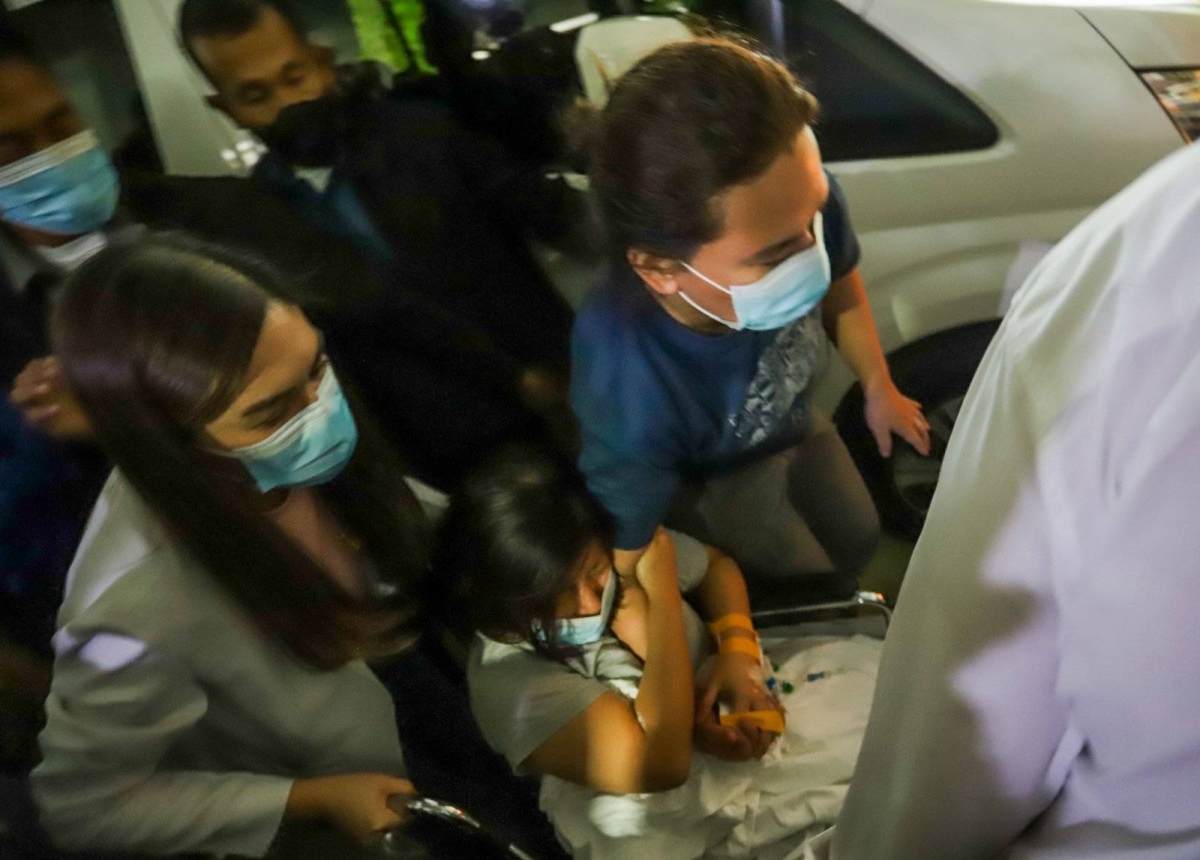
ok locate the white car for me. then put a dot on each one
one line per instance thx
(969, 135)
(949, 229)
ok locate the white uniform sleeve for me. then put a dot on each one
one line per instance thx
(968, 739)
(114, 710)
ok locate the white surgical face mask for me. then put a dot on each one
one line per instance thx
(589, 628)
(782, 295)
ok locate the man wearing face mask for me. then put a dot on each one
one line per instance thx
(58, 199)
(693, 361)
(440, 211)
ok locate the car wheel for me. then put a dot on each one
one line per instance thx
(936, 371)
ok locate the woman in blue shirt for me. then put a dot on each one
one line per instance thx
(692, 362)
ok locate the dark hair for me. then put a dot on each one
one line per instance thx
(155, 338)
(683, 125)
(512, 542)
(15, 47)
(225, 19)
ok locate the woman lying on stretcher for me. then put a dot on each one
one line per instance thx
(645, 726)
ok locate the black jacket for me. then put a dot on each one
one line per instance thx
(455, 208)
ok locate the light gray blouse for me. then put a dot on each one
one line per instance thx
(173, 724)
(521, 699)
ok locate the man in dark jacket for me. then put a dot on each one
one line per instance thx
(443, 211)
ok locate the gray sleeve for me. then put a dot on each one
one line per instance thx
(521, 699)
(115, 709)
(691, 560)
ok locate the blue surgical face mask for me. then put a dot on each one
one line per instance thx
(782, 295)
(313, 447)
(589, 628)
(67, 189)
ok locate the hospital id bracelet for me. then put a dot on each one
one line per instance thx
(740, 645)
(732, 621)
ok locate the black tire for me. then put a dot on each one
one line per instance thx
(936, 371)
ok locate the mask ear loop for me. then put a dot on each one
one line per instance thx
(736, 325)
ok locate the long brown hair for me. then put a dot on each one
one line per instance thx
(155, 338)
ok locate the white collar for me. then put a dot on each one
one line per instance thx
(317, 177)
(75, 253)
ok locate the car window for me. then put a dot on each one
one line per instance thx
(877, 101)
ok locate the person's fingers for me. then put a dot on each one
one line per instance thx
(757, 740)
(23, 395)
(39, 371)
(726, 740)
(883, 438)
(706, 722)
(397, 785)
(732, 743)
(914, 436)
(716, 740)
(708, 698)
(743, 699)
(740, 746)
(389, 820)
(763, 701)
(32, 385)
(43, 414)
(752, 742)
(728, 743)
(921, 426)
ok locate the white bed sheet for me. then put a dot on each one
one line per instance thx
(766, 809)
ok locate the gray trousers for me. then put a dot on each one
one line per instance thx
(803, 511)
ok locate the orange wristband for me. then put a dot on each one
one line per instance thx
(740, 645)
(729, 622)
(769, 721)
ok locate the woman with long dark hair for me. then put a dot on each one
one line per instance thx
(253, 545)
(653, 736)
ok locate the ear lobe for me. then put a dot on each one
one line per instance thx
(658, 273)
(325, 55)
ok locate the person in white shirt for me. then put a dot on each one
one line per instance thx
(1040, 687)
(253, 545)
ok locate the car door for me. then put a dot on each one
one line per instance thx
(962, 131)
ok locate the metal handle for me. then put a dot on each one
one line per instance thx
(452, 814)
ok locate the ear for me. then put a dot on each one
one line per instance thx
(325, 55)
(658, 273)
